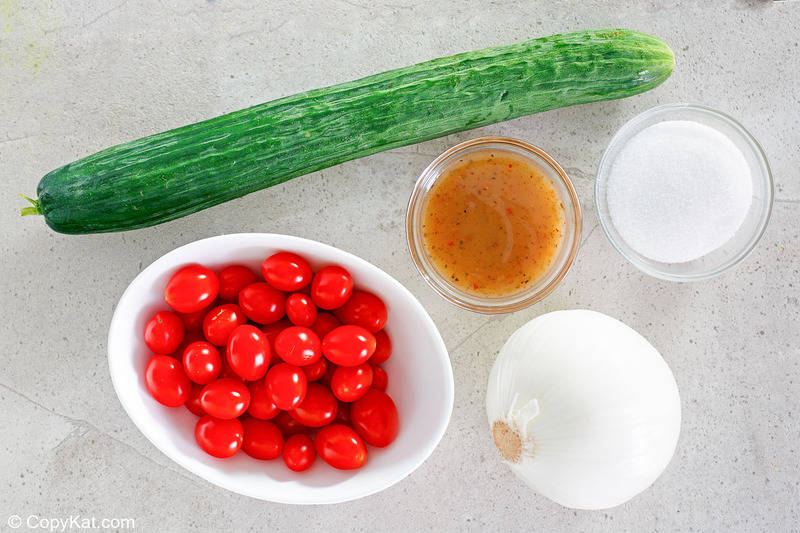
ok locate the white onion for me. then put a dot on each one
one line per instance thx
(583, 409)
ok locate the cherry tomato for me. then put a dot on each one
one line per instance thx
(227, 371)
(261, 303)
(331, 287)
(193, 321)
(188, 338)
(262, 439)
(286, 271)
(317, 409)
(298, 346)
(343, 414)
(220, 438)
(348, 345)
(316, 370)
(271, 331)
(363, 309)
(166, 381)
(380, 379)
(201, 362)
(340, 447)
(324, 324)
(383, 348)
(193, 403)
(225, 398)
(220, 322)
(298, 452)
(248, 352)
(286, 386)
(289, 426)
(233, 279)
(261, 406)
(300, 310)
(328, 377)
(374, 417)
(164, 332)
(349, 383)
(304, 290)
(191, 289)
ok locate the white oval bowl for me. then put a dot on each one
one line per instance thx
(424, 399)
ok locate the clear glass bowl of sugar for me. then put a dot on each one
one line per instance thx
(683, 192)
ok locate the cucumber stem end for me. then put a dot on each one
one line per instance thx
(34, 209)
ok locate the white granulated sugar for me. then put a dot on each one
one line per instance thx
(678, 190)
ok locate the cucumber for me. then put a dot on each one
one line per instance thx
(181, 171)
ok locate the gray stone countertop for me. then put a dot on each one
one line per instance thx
(76, 77)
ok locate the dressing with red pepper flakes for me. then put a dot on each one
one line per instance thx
(492, 223)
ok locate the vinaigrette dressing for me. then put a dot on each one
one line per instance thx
(492, 223)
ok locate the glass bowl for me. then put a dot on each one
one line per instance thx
(744, 240)
(565, 255)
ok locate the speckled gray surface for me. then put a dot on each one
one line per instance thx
(77, 77)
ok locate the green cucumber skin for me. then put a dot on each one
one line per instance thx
(172, 174)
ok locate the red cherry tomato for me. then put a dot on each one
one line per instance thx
(383, 348)
(380, 379)
(220, 322)
(166, 381)
(188, 338)
(201, 362)
(262, 439)
(164, 332)
(227, 371)
(374, 417)
(193, 321)
(343, 414)
(261, 406)
(363, 309)
(324, 324)
(298, 452)
(220, 438)
(289, 426)
(331, 287)
(261, 303)
(340, 447)
(298, 346)
(286, 386)
(300, 310)
(193, 403)
(248, 352)
(316, 370)
(191, 289)
(317, 409)
(328, 377)
(233, 279)
(271, 331)
(225, 398)
(349, 383)
(286, 271)
(348, 345)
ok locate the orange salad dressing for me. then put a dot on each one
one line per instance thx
(492, 223)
